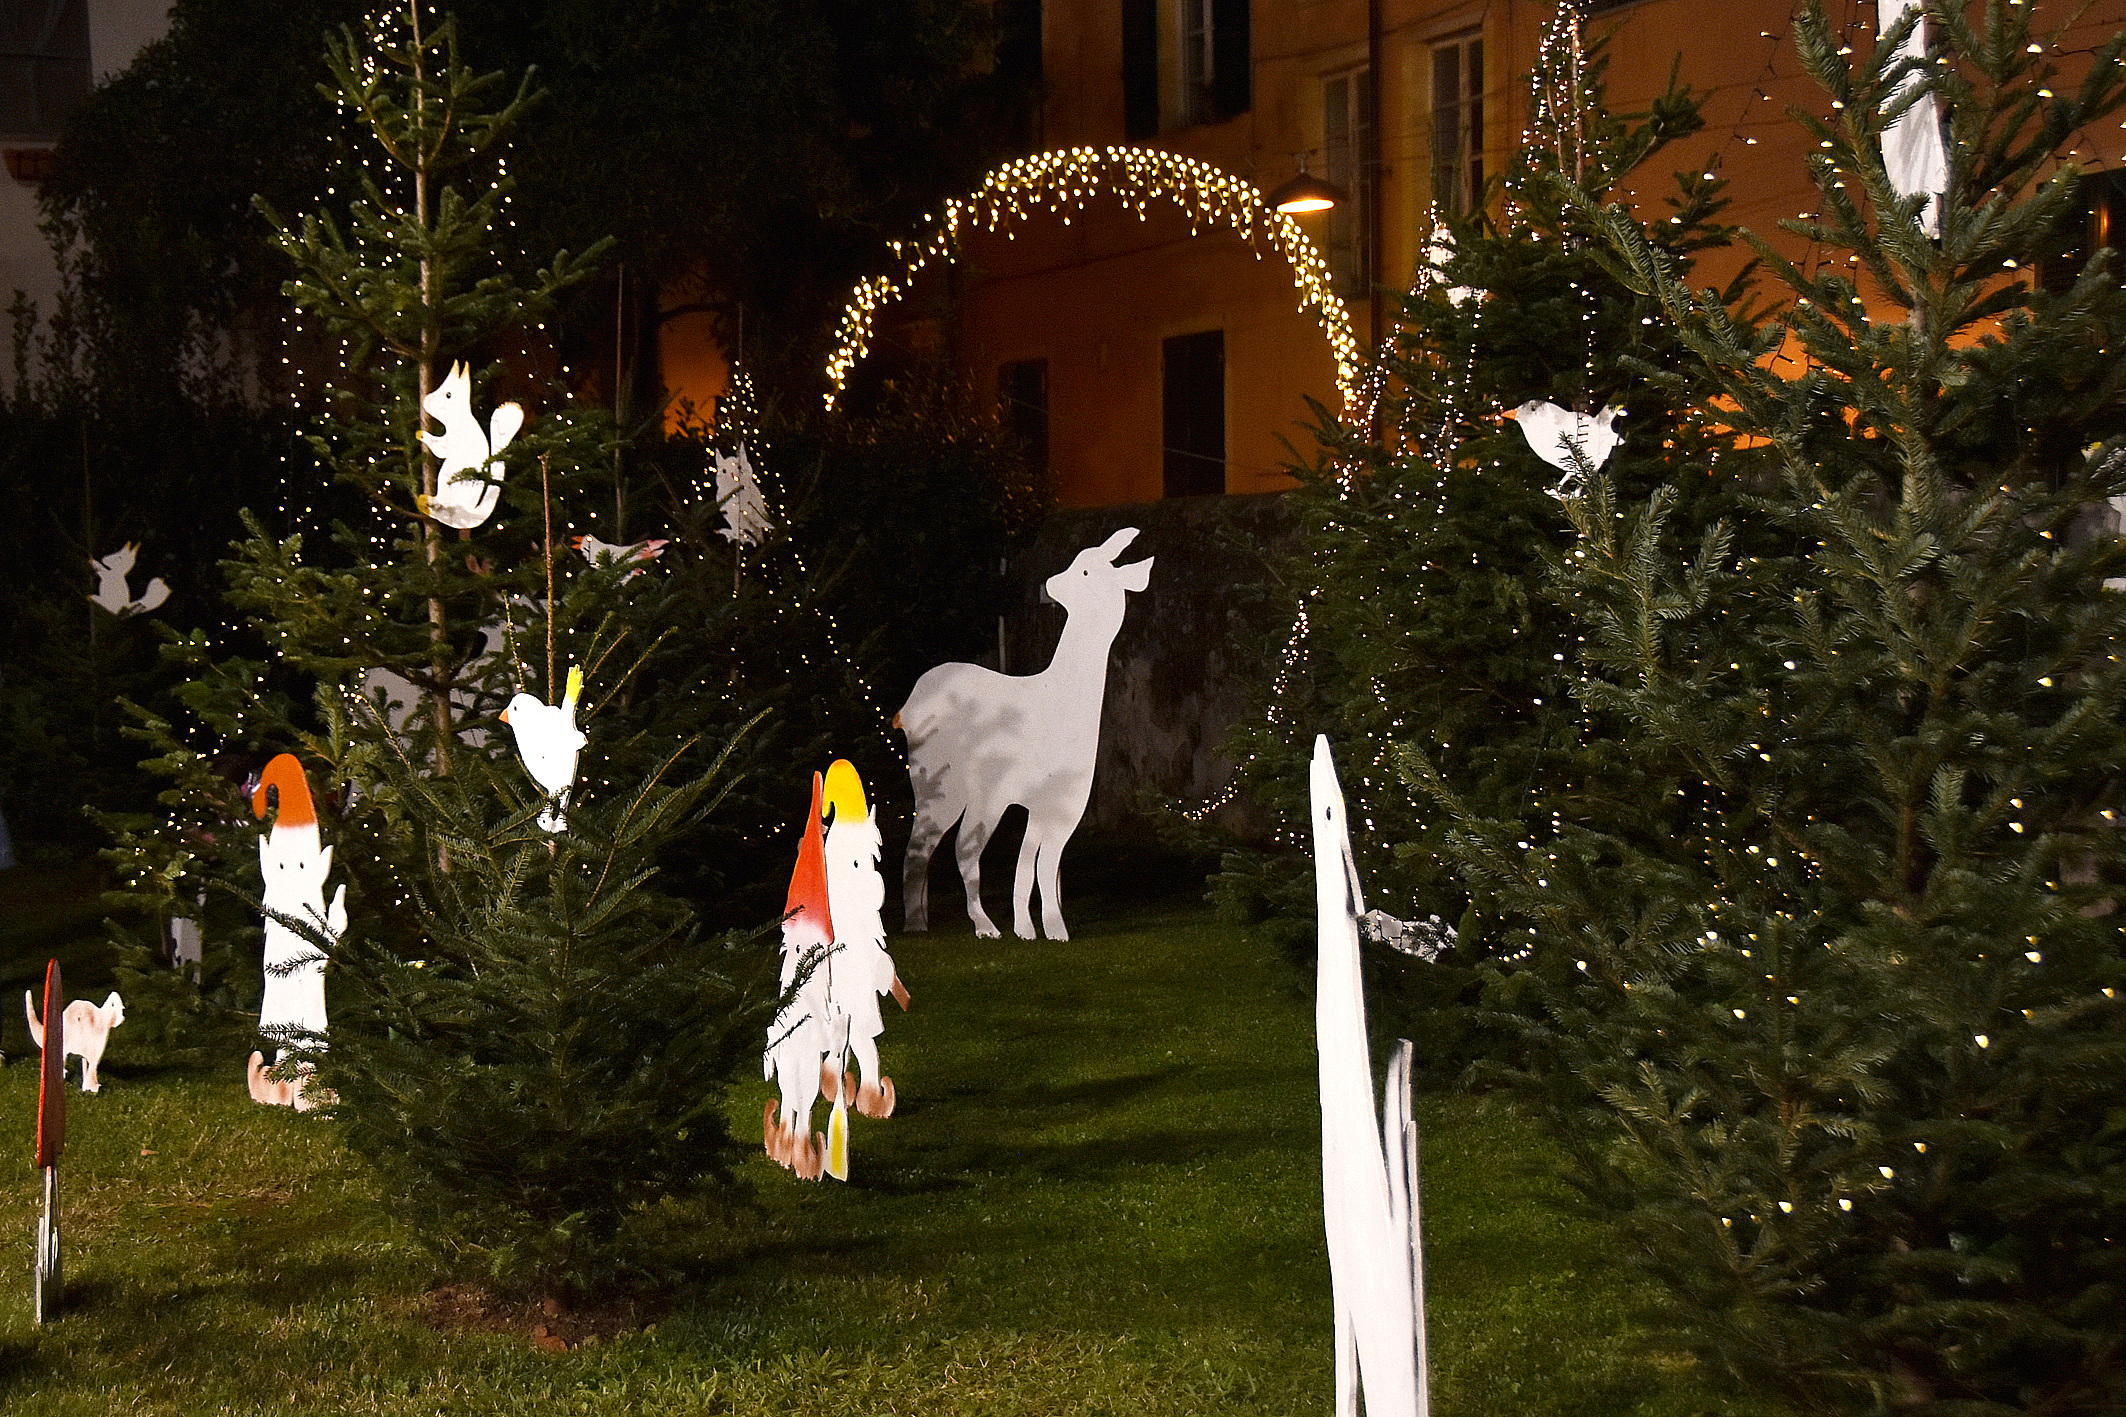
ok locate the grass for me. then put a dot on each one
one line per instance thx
(1101, 1194)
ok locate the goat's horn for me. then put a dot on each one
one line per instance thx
(1113, 546)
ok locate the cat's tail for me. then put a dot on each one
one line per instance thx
(29, 1011)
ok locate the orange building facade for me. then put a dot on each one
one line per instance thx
(1150, 358)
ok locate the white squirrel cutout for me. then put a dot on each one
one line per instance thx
(85, 1031)
(294, 863)
(112, 592)
(745, 511)
(833, 930)
(1558, 434)
(1369, 1190)
(548, 742)
(980, 742)
(466, 486)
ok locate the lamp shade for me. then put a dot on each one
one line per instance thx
(1306, 193)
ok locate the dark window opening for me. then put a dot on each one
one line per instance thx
(44, 65)
(1232, 58)
(2098, 221)
(1140, 68)
(1019, 60)
(1458, 124)
(1347, 133)
(1194, 414)
(1022, 404)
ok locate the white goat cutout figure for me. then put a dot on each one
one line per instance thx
(633, 555)
(467, 488)
(294, 865)
(745, 511)
(112, 592)
(1369, 1190)
(85, 1032)
(1565, 439)
(980, 742)
(832, 929)
(548, 742)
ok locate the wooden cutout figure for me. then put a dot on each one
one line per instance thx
(798, 1038)
(399, 696)
(51, 1141)
(294, 863)
(745, 511)
(1567, 440)
(469, 482)
(112, 592)
(980, 742)
(87, 1032)
(1913, 155)
(1369, 1189)
(548, 742)
(633, 555)
(860, 969)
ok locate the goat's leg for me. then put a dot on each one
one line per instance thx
(1047, 875)
(1022, 882)
(930, 826)
(974, 835)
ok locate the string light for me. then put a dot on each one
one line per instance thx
(1060, 183)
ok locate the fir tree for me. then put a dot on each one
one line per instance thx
(1419, 606)
(1839, 1046)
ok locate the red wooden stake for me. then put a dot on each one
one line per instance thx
(51, 1140)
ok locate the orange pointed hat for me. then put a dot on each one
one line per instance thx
(297, 812)
(805, 918)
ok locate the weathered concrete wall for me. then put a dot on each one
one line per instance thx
(1194, 648)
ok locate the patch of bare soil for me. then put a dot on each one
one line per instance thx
(546, 1324)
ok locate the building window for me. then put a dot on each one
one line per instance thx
(2097, 221)
(1140, 68)
(1347, 141)
(44, 65)
(1018, 25)
(1194, 413)
(1022, 405)
(1458, 123)
(1197, 67)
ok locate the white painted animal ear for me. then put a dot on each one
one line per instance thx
(1137, 574)
(324, 863)
(1113, 546)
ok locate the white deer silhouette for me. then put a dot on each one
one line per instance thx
(980, 742)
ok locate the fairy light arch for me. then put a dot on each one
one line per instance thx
(1063, 182)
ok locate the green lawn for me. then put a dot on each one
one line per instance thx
(1101, 1195)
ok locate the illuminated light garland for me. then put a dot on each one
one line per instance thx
(1060, 183)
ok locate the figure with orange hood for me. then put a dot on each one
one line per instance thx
(293, 862)
(798, 1038)
(834, 951)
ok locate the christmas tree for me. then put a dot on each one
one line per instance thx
(511, 959)
(1830, 1025)
(1420, 614)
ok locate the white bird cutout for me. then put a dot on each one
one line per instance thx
(632, 555)
(1369, 1190)
(1557, 433)
(548, 742)
(112, 592)
(745, 511)
(467, 488)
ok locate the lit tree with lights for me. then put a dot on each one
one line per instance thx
(1842, 1052)
(1420, 614)
(489, 1049)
